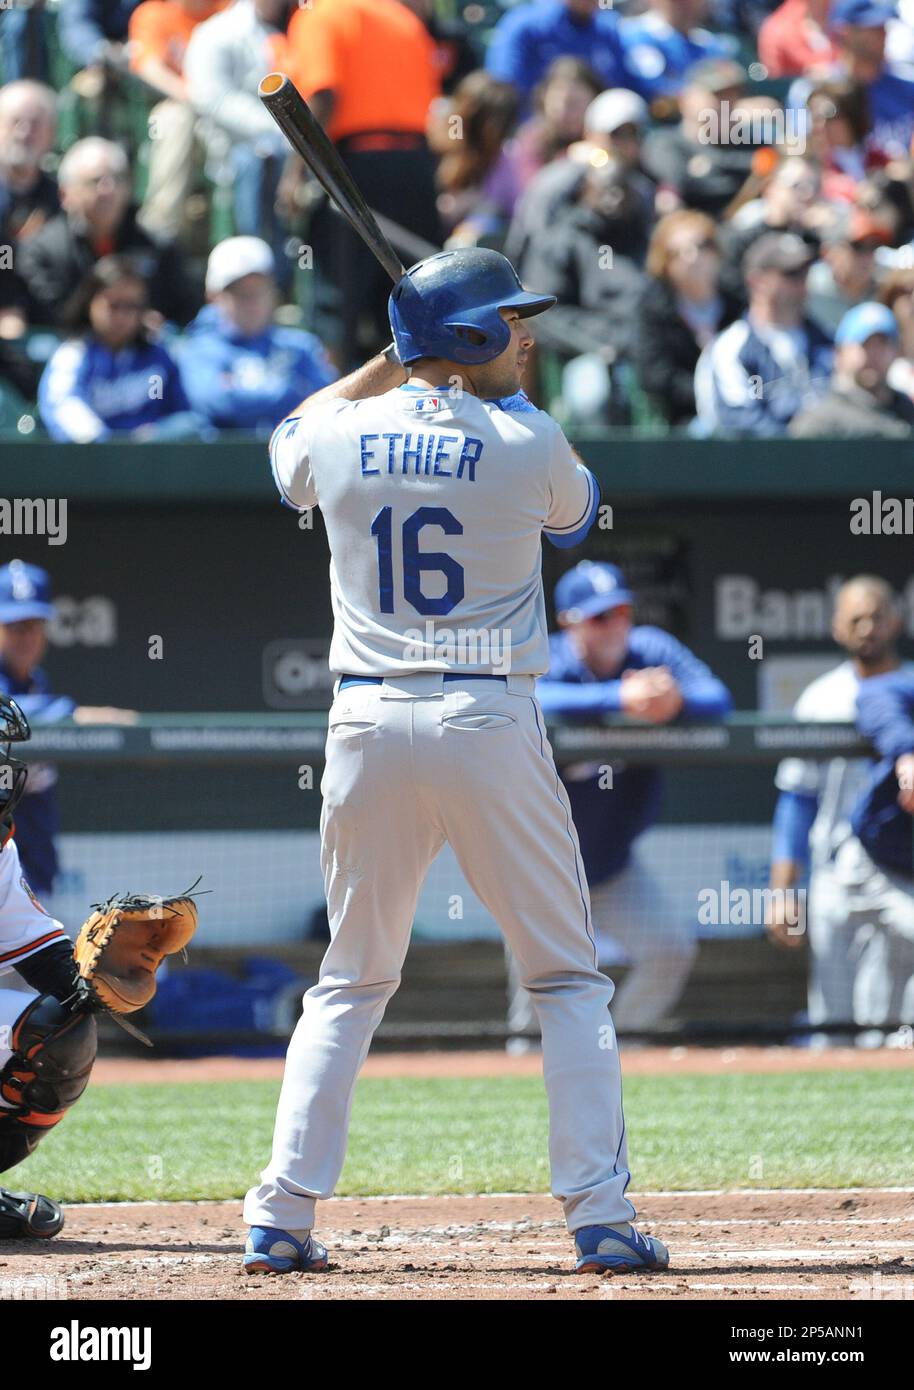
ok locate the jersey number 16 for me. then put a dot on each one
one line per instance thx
(416, 561)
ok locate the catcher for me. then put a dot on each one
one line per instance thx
(50, 992)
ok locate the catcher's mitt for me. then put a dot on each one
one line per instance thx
(121, 946)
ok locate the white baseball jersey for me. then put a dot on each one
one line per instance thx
(25, 927)
(435, 508)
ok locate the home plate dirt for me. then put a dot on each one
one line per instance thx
(737, 1245)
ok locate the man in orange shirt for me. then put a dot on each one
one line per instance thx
(368, 69)
(158, 33)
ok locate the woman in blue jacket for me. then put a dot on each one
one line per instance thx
(109, 379)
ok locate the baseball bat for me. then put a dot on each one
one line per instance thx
(290, 111)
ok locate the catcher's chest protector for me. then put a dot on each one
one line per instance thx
(53, 1052)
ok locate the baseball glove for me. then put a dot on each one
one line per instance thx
(121, 946)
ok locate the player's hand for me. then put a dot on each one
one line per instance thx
(652, 694)
(785, 928)
(104, 714)
(904, 771)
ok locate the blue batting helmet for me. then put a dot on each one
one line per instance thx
(442, 304)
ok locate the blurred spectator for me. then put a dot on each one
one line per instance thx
(590, 259)
(664, 41)
(530, 36)
(240, 370)
(25, 610)
(614, 125)
(789, 200)
(96, 220)
(94, 32)
(560, 104)
(456, 55)
(108, 378)
(846, 273)
(159, 33)
(368, 69)
(762, 370)
(681, 309)
(226, 58)
(24, 30)
(28, 194)
(860, 403)
(795, 39)
(897, 291)
(839, 123)
(859, 28)
(695, 162)
(477, 179)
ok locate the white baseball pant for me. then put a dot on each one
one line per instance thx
(410, 765)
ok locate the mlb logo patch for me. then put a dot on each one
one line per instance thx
(427, 405)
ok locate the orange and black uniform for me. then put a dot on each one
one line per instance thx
(380, 62)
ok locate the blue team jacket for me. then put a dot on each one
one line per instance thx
(885, 715)
(139, 385)
(249, 383)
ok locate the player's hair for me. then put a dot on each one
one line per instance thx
(658, 259)
(104, 275)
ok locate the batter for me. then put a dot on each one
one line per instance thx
(435, 493)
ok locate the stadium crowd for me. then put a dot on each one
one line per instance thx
(720, 192)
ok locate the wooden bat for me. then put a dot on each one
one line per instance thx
(289, 110)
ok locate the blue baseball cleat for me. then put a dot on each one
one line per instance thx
(271, 1251)
(607, 1249)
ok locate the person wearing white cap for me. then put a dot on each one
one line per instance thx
(240, 369)
(614, 125)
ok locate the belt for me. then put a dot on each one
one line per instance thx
(346, 681)
(368, 140)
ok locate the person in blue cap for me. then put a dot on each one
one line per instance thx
(602, 664)
(859, 403)
(25, 608)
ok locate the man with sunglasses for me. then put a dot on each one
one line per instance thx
(602, 664)
(753, 378)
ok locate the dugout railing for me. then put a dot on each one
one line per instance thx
(236, 797)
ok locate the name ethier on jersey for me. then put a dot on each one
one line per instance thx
(420, 455)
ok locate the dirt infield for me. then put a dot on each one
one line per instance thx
(741, 1245)
(647, 1061)
(738, 1245)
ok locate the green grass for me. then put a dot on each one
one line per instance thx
(825, 1129)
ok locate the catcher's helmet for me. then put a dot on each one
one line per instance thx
(14, 728)
(442, 304)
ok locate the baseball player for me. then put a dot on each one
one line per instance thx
(601, 664)
(859, 962)
(50, 991)
(437, 479)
